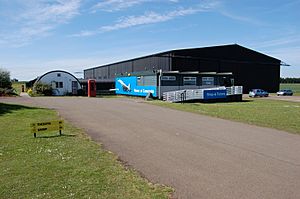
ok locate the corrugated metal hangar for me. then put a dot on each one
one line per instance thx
(250, 69)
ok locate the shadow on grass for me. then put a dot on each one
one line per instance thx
(9, 108)
(54, 136)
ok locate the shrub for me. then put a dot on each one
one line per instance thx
(80, 92)
(41, 88)
(5, 79)
(7, 92)
(29, 92)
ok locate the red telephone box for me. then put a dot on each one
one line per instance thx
(91, 88)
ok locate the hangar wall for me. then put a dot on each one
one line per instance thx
(109, 72)
(251, 69)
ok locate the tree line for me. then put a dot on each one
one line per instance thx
(290, 80)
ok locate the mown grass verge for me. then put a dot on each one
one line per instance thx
(276, 114)
(69, 166)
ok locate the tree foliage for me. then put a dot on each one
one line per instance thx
(289, 80)
(5, 79)
(42, 88)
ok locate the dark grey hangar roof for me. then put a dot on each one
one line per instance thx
(231, 52)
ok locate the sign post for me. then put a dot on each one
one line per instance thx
(57, 125)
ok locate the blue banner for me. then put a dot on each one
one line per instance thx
(215, 94)
(128, 86)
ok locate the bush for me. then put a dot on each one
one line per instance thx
(41, 88)
(29, 92)
(5, 79)
(7, 92)
(80, 92)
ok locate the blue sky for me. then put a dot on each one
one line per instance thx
(37, 36)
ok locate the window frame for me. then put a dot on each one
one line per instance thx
(192, 80)
(168, 78)
(208, 79)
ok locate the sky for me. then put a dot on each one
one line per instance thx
(37, 36)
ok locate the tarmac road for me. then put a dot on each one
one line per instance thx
(200, 156)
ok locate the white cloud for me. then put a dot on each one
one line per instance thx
(241, 18)
(148, 18)
(117, 5)
(287, 40)
(37, 19)
(153, 17)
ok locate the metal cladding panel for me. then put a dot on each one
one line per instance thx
(88, 74)
(252, 76)
(112, 71)
(101, 73)
(152, 63)
(120, 68)
(188, 64)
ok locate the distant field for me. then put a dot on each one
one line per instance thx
(294, 87)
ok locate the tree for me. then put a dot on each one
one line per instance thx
(5, 79)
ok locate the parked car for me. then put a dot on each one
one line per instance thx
(258, 93)
(285, 92)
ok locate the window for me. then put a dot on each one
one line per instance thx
(59, 84)
(189, 81)
(149, 80)
(208, 80)
(168, 78)
(146, 80)
(58, 74)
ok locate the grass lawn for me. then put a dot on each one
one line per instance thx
(68, 166)
(276, 114)
(293, 87)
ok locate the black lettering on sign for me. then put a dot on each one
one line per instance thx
(44, 123)
(42, 129)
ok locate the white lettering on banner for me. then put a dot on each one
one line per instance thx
(215, 94)
(148, 91)
(143, 91)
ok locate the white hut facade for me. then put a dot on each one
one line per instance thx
(62, 82)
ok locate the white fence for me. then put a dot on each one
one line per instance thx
(194, 94)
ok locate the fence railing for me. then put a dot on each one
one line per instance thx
(194, 94)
